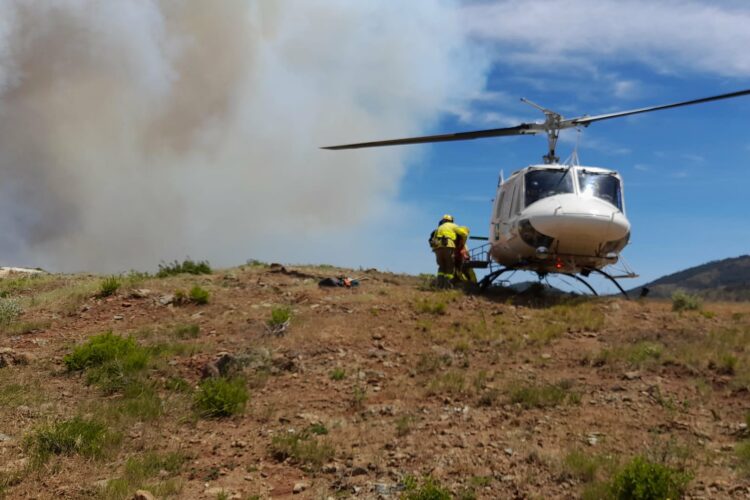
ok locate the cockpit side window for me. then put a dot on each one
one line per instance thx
(543, 183)
(604, 186)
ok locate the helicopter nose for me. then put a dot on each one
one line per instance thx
(583, 220)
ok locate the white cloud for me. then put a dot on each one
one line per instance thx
(670, 35)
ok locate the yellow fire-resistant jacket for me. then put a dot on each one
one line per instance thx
(446, 234)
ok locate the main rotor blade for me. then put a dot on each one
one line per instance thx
(585, 120)
(524, 128)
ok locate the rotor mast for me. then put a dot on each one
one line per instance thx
(551, 126)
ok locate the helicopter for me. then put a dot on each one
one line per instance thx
(552, 218)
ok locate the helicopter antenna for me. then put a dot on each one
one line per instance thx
(573, 159)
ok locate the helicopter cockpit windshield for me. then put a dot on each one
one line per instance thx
(605, 186)
(543, 183)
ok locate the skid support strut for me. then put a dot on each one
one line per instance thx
(487, 280)
(610, 278)
(586, 283)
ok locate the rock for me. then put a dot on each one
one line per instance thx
(118, 317)
(223, 365)
(11, 357)
(101, 484)
(299, 488)
(140, 293)
(283, 363)
(631, 375)
(592, 440)
(143, 495)
(508, 451)
(167, 299)
(359, 471)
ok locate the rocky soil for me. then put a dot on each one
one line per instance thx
(492, 396)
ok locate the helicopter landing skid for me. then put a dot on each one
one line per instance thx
(487, 280)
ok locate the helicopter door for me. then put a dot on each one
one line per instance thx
(510, 191)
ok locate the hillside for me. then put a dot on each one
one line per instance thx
(364, 393)
(727, 279)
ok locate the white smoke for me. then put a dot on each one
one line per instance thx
(135, 131)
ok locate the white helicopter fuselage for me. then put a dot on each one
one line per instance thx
(559, 219)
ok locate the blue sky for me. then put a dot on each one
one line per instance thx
(686, 171)
(138, 132)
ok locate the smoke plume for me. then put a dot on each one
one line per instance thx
(135, 131)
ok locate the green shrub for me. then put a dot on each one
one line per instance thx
(198, 295)
(75, 436)
(109, 286)
(110, 361)
(682, 301)
(427, 489)
(140, 473)
(318, 429)
(542, 395)
(221, 397)
(742, 450)
(642, 479)
(338, 374)
(279, 316)
(10, 310)
(427, 306)
(100, 349)
(190, 331)
(186, 267)
(581, 465)
(302, 447)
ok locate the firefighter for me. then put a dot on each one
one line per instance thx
(461, 257)
(443, 243)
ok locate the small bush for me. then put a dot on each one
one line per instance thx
(303, 448)
(403, 425)
(542, 395)
(427, 489)
(581, 465)
(140, 473)
(359, 395)
(75, 436)
(186, 267)
(279, 316)
(642, 479)
(431, 363)
(742, 450)
(338, 374)
(111, 361)
(198, 295)
(221, 397)
(191, 331)
(10, 310)
(427, 306)
(682, 301)
(318, 429)
(451, 382)
(100, 349)
(109, 286)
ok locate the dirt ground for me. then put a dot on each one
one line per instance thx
(492, 396)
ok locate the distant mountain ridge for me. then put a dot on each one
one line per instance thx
(727, 279)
